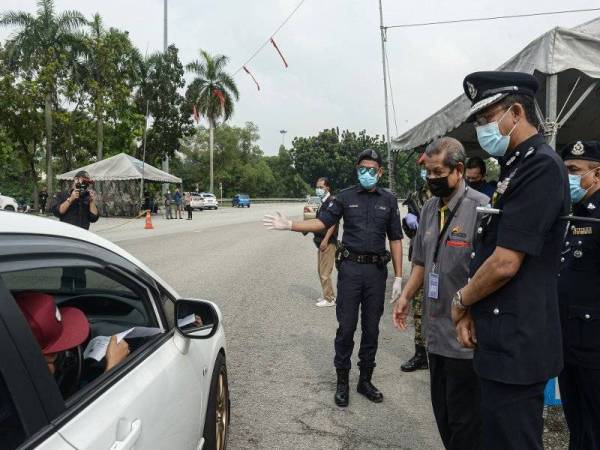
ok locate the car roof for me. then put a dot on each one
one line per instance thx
(17, 223)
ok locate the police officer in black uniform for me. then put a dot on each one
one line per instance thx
(509, 309)
(370, 214)
(579, 299)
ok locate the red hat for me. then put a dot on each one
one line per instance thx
(55, 329)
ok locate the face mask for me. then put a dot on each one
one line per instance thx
(320, 192)
(490, 138)
(367, 180)
(439, 186)
(424, 174)
(577, 192)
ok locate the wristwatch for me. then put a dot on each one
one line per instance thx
(457, 302)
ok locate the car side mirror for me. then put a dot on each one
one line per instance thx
(196, 319)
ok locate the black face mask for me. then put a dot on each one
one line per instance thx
(475, 184)
(439, 186)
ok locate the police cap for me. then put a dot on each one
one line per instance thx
(586, 150)
(487, 88)
(369, 154)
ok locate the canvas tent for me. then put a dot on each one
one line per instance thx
(566, 62)
(118, 182)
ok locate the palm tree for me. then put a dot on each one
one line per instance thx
(213, 91)
(44, 43)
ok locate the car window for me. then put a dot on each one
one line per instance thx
(11, 429)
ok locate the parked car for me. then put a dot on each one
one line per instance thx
(197, 201)
(171, 391)
(8, 203)
(310, 207)
(210, 201)
(241, 201)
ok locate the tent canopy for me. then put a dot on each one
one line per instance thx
(566, 62)
(122, 167)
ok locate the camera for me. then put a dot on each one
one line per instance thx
(83, 188)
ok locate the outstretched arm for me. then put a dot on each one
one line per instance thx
(281, 222)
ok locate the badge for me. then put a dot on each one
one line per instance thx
(591, 206)
(472, 90)
(578, 149)
(433, 285)
(503, 186)
(577, 253)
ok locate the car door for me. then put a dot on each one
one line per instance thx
(154, 399)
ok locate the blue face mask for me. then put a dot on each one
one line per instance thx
(367, 178)
(577, 192)
(320, 192)
(491, 139)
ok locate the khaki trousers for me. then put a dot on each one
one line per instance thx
(326, 261)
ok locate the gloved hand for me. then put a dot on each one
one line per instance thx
(278, 222)
(412, 221)
(396, 289)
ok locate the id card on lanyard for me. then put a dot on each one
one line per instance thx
(433, 278)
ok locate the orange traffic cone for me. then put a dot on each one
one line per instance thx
(148, 225)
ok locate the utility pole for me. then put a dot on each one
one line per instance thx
(387, 117)
(283, 132)
(165, 163)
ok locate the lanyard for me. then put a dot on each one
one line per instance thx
(446, 225)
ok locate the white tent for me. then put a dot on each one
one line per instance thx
(122, 167)
(566, 62)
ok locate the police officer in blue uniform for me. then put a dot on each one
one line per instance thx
(370, 214)
(579, 299)
(508, 311)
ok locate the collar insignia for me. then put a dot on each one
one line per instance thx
(578, 149)
(591, 206)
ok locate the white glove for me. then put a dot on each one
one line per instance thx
(396, 289)
(277, 222)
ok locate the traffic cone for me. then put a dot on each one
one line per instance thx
(148, 225)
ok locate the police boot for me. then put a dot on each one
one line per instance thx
(366, 388)
(417, 362)
(342, 391)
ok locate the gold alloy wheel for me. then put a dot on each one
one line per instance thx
(222, 411)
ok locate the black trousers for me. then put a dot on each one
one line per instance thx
(189, 211)
(580, 396)
(512, 415)
(456, 401)
(360, 287)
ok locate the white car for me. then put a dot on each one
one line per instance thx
(210, 201)
(197, 201)
(8, 203)
(171, 391)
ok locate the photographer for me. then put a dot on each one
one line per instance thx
(77, 206)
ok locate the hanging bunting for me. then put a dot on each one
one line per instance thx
(252, 76)
(196, 115)
(219, 94)
(280, 54)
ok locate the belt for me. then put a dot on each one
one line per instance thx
(345, 254)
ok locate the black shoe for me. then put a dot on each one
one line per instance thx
(417, 362)
(366, 388)
(342, 391)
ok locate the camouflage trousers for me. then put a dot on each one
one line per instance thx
(417, 307)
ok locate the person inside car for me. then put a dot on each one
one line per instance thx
(58, 330)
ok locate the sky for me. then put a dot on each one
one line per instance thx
(333, 48)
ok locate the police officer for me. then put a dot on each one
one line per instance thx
(370, 214)
(509, 307)
(579, 299)
(414, 202)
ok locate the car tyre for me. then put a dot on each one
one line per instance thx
(216, 425)
(9, 208)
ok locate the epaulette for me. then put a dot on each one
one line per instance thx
(348, 189)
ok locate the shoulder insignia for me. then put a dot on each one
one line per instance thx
(530, 152)
(591, 206)
(578, 149)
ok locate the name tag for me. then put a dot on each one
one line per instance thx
(433, 285)
(581, 231)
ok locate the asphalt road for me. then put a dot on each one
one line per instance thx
(279, 345)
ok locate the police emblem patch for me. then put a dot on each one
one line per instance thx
(472, 90)
(578, 149)
(577, 253)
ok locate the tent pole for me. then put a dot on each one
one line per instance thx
(387, 118)
(551, 108)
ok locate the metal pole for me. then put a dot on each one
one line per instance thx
(551, 107)
(144, 152)
(387, 118)
(165, 163)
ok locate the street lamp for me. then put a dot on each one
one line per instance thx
(283, 132)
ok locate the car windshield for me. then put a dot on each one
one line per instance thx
(243, 196)
(208, 195)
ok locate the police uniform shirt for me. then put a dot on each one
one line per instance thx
(368, 218)
(517, 326)
(579, 287)
(452, 265)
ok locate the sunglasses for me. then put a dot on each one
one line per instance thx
(370, 170)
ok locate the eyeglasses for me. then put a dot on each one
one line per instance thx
(370, 170)
(484, 119)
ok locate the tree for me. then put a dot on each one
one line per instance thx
(212, 92)
(45, 44)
